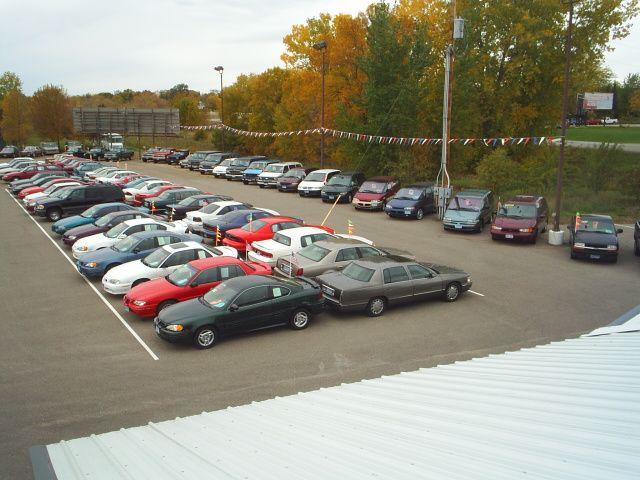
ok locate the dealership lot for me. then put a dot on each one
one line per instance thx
(72, 366)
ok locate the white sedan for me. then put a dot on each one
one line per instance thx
(211, 212)
(119, 280)
(120, 231)
(100, 172)
(288, 242)
(48, 191)
(115, 175)
(145, 187)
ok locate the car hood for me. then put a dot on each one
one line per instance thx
(270, 174)
(154, 290)
(335, 188)
(253, 171)
(401, 203)
(462, 215)
(68, 222)
(184, 312)
(290, 180)
(98, 240)
(84, 230)
(366, 196)
(596, 239)
(130, 271)
(216, 222)
(444, 269)
(104, 255)
(510, 222)
(307, 184)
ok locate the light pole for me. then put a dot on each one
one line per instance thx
(220, 70)
(322, 46)
(565, 108)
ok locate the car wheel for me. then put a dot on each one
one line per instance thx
(205, 337)
(636, 249)
(376, 307)
(481, 227)
(109, 267)
(614, 259)
(494, 237)
(144, 161)
(300, 319)
(54, 214)
(420, 214)
(573, 256)
(452, 292)
(165, 304)
(139, 281)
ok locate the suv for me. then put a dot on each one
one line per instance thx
(213, 159)
(193, 160)
(118, 154)
(344, 184)
(250, 175)
(162, 156)
(31, 151)
(594, 237)
(76, 200)
(174, 195)
(176, 156)
(412, 201)
(523, 217)
(469, 210)
(375, 192)
(236, 169)
(50, 148)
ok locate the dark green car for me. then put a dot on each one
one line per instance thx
(238, 305)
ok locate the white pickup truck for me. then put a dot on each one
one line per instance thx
(609, 121)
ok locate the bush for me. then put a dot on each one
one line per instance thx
(498, 172)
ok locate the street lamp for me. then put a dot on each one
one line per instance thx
(220, 69)
(322, 46)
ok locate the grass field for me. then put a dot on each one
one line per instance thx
(611, 134)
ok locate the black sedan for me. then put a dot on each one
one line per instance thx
(177, 211)
(240, 304)
(374, 283)
(35, 181)
(160, 203)
(231, 220)
(9, 152)
(594, 237)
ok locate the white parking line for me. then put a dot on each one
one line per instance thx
(105, 301)
(476, 293)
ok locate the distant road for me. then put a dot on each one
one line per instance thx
(627, 147)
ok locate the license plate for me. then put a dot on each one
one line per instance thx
(286, 268)
(332, 197)
(458, 226)
(327, 290)
(594, 257)
(508, 235)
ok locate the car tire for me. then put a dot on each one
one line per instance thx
(494, 237)
(139, 281)
(144, 161)
(420, 214)
(300, 319)
(109, 267)
(636, 249)
(614, 259)
(376, 306)
(54, 214)
(165, 304)
(481, 227)
(452, 292)
(573, 256)
(205, 337)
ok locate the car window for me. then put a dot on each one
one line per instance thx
(395, 274)
(285, 240)
(369, 252)
(277, 292)
(77, 195)
(203, 254)
(229, 271)
(208, 276)
(224, 210)
(164, 240)
(347, 254)
(252, 296)
(154, 226)
(146, 244)
(92, 193)
(306, 240)
(179, 258)
(134, 229)
(418, 271)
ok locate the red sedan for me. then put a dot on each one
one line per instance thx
(262, 229)
(28, 191)
(141, 197)
(186, 282)
(30, 171)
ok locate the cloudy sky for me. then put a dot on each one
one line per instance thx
(107, 45)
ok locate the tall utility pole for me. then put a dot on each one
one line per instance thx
(565, 109)
(322, 46)
(220, 70)
(443, 180)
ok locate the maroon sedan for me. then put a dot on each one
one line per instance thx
(290, 181)
(101, 225)
(30, 171)
(523, 217)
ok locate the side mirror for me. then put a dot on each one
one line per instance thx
(136, 250)
(233, 307)
(619, 230)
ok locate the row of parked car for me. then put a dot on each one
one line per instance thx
(147, 239)
(45, 148)
(521, 218)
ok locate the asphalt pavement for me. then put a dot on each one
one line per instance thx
(71, 367)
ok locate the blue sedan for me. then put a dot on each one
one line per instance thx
(231, 220)
(134, 247)
(90, 215)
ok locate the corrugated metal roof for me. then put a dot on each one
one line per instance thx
(567, 410)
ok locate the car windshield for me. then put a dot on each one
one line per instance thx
(240, 163)
(50, 188)
(340, 180)
(358, 272)
(253, 226)
(409, 194)
(273, 168)
(117, 230)
(154, 259)
(314, 252)
(258, 165)
(297, 174)
(155, 189)
(283, 239)
(187, 202)
(126, 244)
(226, 163)
(373, 187)
(471, 204)
(316, 177)
(220, 296)
(595, 225)
(165, 195)
(103, 220)
(181, 275)
(90, 212)
(517, 210)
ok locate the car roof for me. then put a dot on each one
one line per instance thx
(382, 178)
(525, 199)
(596, 216)
(142, 221)
(383, 261)
(419, 185)
(277, 218)
(301, 231)
(155, 233)
(349, 174)
(326, 170)
(252, 281)
(339, 242)
(203, 263)
(178, 247)
(283, 164)
(182, 189)
(226, 203)
(474, 192)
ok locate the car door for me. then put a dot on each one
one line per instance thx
(76, 202)
(283, 304)
(144, 248)
(253, 311)
(398, 286)
(425, 282)
(176, 260)
(94, 196)
(429, 203)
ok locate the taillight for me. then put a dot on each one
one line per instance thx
(299, 271)
(319, 296)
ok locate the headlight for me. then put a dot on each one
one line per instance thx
(83, 248)
(92, 264)
(526, 230)
(406, 209)
(40, 207)
(174, 328)
(495, 227)
(72, 237)
(139, 303)
(113, 281)
(578, 245)
(375, 202)
(612, 247)
(447, 219)
(468, 280)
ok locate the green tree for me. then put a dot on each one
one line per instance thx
(51, 112)
(15, 119)
(9, 81)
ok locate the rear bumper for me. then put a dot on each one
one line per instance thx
(594, 254)
(240, 246)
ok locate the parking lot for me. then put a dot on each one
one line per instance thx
(75, 363)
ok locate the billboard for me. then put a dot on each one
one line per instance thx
(127, 121)
(598, 101)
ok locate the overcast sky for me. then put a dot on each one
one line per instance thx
(107, 45)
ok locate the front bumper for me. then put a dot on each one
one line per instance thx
(594, 254)
(147, 310)
(310, 193)
(362, 205)
(400, 213)
(90, 272)
(115, 289)
(512, 235)
(267, 182)
(173, 337)
(331, 196)
(287, 187)
(461, 227)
